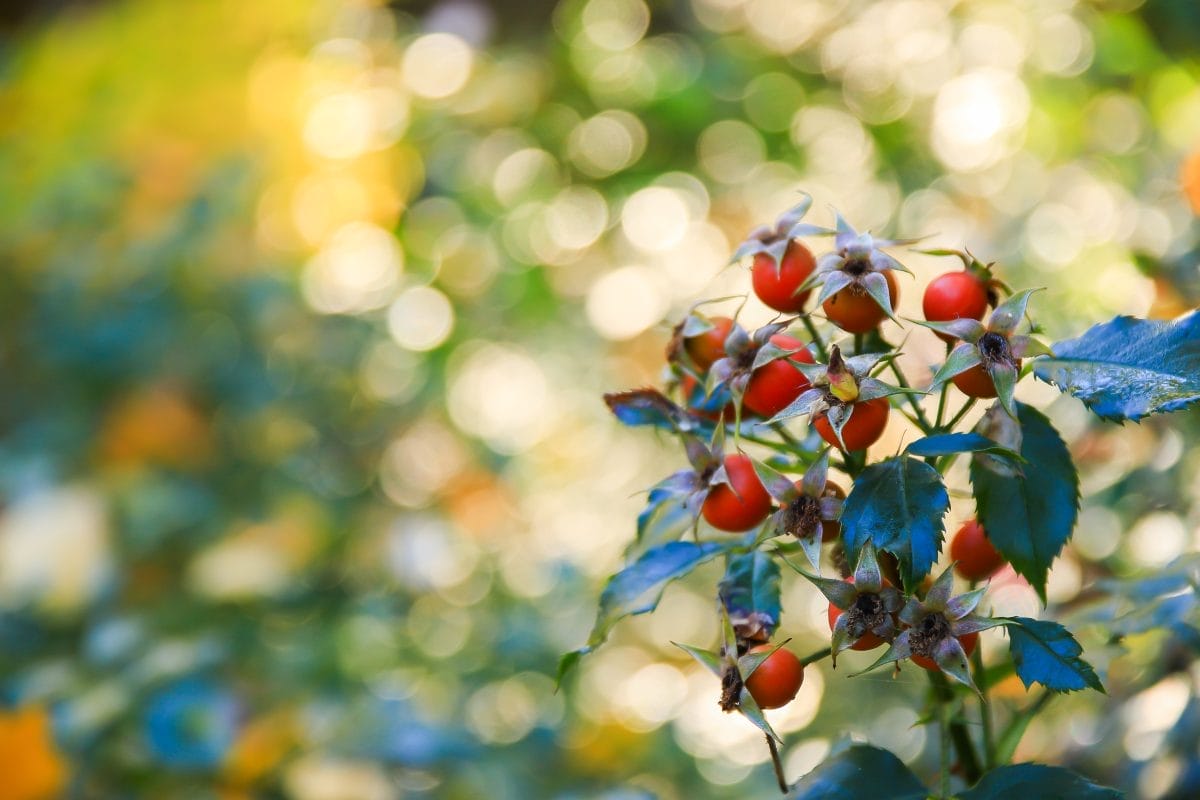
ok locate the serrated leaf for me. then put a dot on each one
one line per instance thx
(1045, 652)
(1037, 780)
(898, 504)
(1029, 514)
(750, 590)
(945, 444)
(638, 588)
(861, 772)
(1128, 368)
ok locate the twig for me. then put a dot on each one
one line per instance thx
(817, 656)
(985, 710)
(816, 337)
(921, 420)
(779, 776)
(959, 735)
(962, 412)
(942, 406)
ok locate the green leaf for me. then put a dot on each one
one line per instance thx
(1029, 513)
(638, 588)
(750, 591)
(945, 444)
(1128, 368)
(1045, 652)
(898, 504)
(748, 708)
(664, 519)
(961, 358)
(1037, 780)
(861, 772)
(1008, 315)
(709, 660)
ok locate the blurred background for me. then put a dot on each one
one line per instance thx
(307, 307)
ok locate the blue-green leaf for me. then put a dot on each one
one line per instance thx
(750, 592)
(1037, 780)
(861, 772)
(645, 407)
(899, 504)
(1029, 513)
(1128, 368)
(664, 519)
(638, 588)
(1045, 652)
(945, 444)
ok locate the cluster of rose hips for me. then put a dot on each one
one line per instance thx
(727, 374)
(866, 611)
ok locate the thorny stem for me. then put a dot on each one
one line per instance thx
(816, 337)
(961, 738)
(985, 709)
(779, 776)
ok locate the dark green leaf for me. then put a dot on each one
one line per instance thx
(861, 772)
(1045, 652)
(945, 444)
(1029, 513)
(750, 591)
(1128, 368)
(898, 503)
(1040, 781)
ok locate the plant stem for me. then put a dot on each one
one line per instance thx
(765, 442)
(786, 435)
(962, 412)
(1007, 744)
(944, 736)
(942, 406)
(816, 337)
(959, 735)
(779, 776)
(856, 460)
(817, 656)
(921, 420)
(858, 344)
(985, 710)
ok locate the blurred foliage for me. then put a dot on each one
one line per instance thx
(307, 309)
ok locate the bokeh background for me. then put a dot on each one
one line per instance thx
(305, 312)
